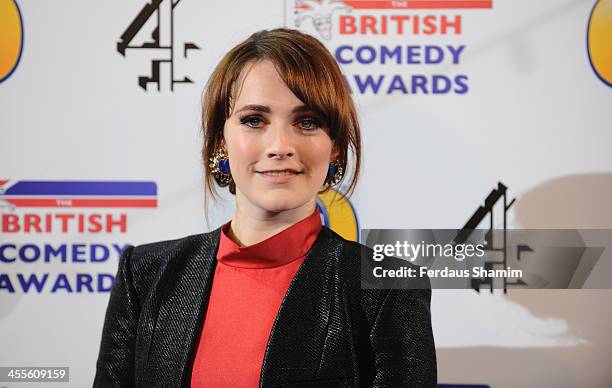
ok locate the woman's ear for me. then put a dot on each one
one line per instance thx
(222, 145)
(335, 152)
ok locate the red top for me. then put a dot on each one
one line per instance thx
(248, 287)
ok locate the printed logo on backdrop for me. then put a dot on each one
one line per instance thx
(369, 37)
(599, 40)
(56, 234)
(153, 31)
(11, 33)
(496, 198)
(493, 256)
(512, 251)
(338, 214)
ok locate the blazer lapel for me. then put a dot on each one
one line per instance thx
(298, 335)
(181, 300)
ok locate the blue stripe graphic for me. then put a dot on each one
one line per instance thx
(83, 188)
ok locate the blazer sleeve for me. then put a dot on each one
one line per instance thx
(403, 342)
(115, 365)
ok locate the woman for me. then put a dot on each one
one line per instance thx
(272, 297)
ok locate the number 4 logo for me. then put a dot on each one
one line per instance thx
(153, 30)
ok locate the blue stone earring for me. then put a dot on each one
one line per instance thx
(220, 168)
(334, 173)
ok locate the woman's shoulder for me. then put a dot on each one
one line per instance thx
(349, 247)
(365, 256)
(147, 261)
(359, 254)
(164, 249)
(361, 266)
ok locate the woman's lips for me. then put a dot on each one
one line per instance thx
(278, 176)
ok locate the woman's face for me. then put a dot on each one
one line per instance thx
(277, 148)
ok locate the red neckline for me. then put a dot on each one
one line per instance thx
(282, 248)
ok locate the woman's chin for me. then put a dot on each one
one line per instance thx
(276, 203)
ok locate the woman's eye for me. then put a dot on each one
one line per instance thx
(309, 124)
(252, 122)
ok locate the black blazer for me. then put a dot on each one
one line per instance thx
(328, 332)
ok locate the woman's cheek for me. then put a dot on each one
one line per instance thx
(244, 154)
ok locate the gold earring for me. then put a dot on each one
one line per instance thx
(220, 168)
(335, 172)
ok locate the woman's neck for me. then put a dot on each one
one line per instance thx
(251, 224)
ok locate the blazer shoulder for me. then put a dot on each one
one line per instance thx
(358, 255)
(161, 249)
(349, 247)
(148, 261)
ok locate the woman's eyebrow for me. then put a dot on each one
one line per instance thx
(255, 107)
(301, 108)
(266, 109)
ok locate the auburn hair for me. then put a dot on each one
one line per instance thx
(308, 69)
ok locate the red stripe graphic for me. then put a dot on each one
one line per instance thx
(80, 202)
(415, 4)
(451, 4)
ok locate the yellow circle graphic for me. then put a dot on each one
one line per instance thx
(599, 40)
(338, 214)
(11, 33)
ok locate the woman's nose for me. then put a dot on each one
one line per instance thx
(280, 142)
